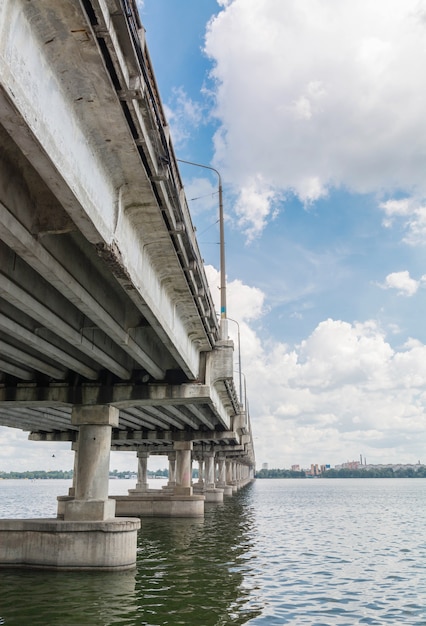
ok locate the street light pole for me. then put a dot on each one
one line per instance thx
(223, 328)
(239, 357)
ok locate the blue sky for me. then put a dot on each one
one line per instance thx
(313, 112)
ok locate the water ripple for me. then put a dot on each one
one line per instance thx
(299, 553)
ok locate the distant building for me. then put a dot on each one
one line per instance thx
(314, 470)
(353, 465)
(295, 468)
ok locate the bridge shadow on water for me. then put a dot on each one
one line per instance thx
(189, 571)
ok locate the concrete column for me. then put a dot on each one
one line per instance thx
(142, 483)
(183, 451)
(172, 469)
(200, 472)
(228, 472)
(94, 445)
(234, 476)
(221, 479)
(71, 490)
(209, 461)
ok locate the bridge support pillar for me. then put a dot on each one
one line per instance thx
(200, 473)
(198, 487)
(142, 482)
(91, 501)
(171, 483)
(221, 478)
(211, 492)
(89, 537)
(183, 451)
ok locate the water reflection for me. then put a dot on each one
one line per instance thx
(193, 572)
(67, 598)
(332, 553)
(189, 571)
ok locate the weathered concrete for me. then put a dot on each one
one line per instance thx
(107, 321)
(214, 495)
(86, 534)
(159, 505)
(183, 451)
(91, 501)
(109, 545)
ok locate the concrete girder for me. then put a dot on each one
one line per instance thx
(20, 240)
(20, 356)
(10, 327)
(46, 317)
(146, 419)
(157, 413)
(199, 414)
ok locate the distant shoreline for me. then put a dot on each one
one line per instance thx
(379, 472)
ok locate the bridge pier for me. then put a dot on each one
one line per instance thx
(175, 500)
(207, 484)
(89, 537)
(183, 451)
(91, 489)
(142, 483)
(221, 479)
(212, 491)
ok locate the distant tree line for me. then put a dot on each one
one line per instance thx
(279, 473)
(37, 474)
(377, 472)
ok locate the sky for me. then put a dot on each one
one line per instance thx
(313, 113)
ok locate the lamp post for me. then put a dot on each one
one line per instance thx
(245, 403)
(239, 357)
(223, 329)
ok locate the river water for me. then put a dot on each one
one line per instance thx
(300, 552)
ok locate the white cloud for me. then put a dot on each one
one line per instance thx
(341, 391)
(316, 94)
(254, 207)
(411, 212)
(244, 303)
(202, 197)
(183, 115)
(403, 282)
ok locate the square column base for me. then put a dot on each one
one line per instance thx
(89, 510)
(183, 491)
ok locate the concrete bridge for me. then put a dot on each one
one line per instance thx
(108, 333)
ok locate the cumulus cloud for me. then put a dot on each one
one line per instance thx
(344, 390)
(411, 213)
(243, 301)
(254, 207)
(403, 282)
(317, 94)
(183, 115)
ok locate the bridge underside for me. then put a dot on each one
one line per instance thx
(152, 415)
(108, 333)
(103, 294)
